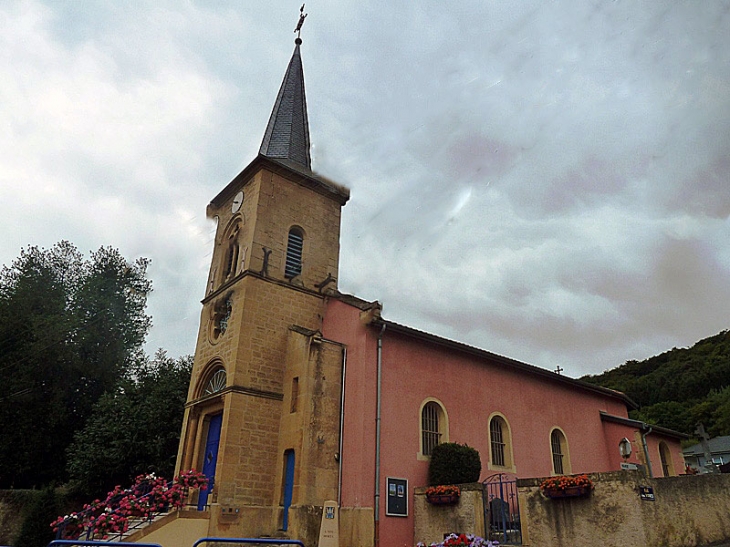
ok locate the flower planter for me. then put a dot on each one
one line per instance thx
(435, 499)
(569, 492)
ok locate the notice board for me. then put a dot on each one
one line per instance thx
(397, 497)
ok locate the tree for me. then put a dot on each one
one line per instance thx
(69, 330)
(680, 387)
(134, 429)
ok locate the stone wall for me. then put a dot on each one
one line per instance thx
(433, 521)
(13, 507)
(688, 511)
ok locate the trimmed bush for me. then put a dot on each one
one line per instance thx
(454, 463)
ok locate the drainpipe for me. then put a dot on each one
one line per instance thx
(342, 427)
(646, 448)
(377, 438)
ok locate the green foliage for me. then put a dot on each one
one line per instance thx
(70, 328)
(35, 531)
(133, 430)
(453, 463)
(680, 387)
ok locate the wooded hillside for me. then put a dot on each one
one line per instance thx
(680, 387)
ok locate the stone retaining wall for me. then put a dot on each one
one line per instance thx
(688, 511)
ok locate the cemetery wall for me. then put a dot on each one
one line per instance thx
(687, 511)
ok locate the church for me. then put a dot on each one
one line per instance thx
(301, 394)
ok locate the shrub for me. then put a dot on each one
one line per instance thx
(454, 463)
(34, 531)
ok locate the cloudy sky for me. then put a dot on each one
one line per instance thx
(545, 180)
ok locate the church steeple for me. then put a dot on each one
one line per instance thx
(287, 134)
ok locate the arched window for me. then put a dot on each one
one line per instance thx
(433, 427)
(231, 259)
(559, 449)
(500, 442)
(216, 382)
(665, 457)
(294, 247)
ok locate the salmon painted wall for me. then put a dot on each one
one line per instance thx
(614, 433)
(471, 389)
(676, 461)
(342, 323)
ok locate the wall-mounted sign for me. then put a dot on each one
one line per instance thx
(397, 500)
(629, 466)
(646, 493)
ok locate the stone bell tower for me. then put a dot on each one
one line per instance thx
(263, 410)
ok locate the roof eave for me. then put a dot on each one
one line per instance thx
(512, 363)
(339, 193)
(642, 426)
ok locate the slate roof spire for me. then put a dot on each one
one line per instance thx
(287, 135)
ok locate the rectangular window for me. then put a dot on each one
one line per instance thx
(294, 394)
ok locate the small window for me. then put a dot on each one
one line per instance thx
(665, 457)
(559, 449)
(432, 427)
(294, 394)
(295, 245)
(231, 259)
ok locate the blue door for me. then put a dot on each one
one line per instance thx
(210, 458)
(288, 486)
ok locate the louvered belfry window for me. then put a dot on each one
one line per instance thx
(557, 447)
(430, 432)
(294, 248)
(496, 436)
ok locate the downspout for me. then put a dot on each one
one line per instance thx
(342, 427)
(646, 448)
(377, 438)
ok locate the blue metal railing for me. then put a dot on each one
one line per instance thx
(104, 543)
(258, 541)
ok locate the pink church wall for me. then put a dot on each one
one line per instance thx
(613, 434)
(342, 323)
(470, 388)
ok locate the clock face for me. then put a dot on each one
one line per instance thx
(237, 201)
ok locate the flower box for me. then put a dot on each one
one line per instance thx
(442, 499)
(569, 492)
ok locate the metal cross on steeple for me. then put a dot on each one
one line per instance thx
(302, 17)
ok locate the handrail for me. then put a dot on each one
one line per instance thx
(264, 541)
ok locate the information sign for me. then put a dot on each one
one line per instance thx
(397, 497)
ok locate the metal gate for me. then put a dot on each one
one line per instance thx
(501, 510)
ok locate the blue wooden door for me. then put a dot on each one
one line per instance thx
(288, 486)
(210, 457)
